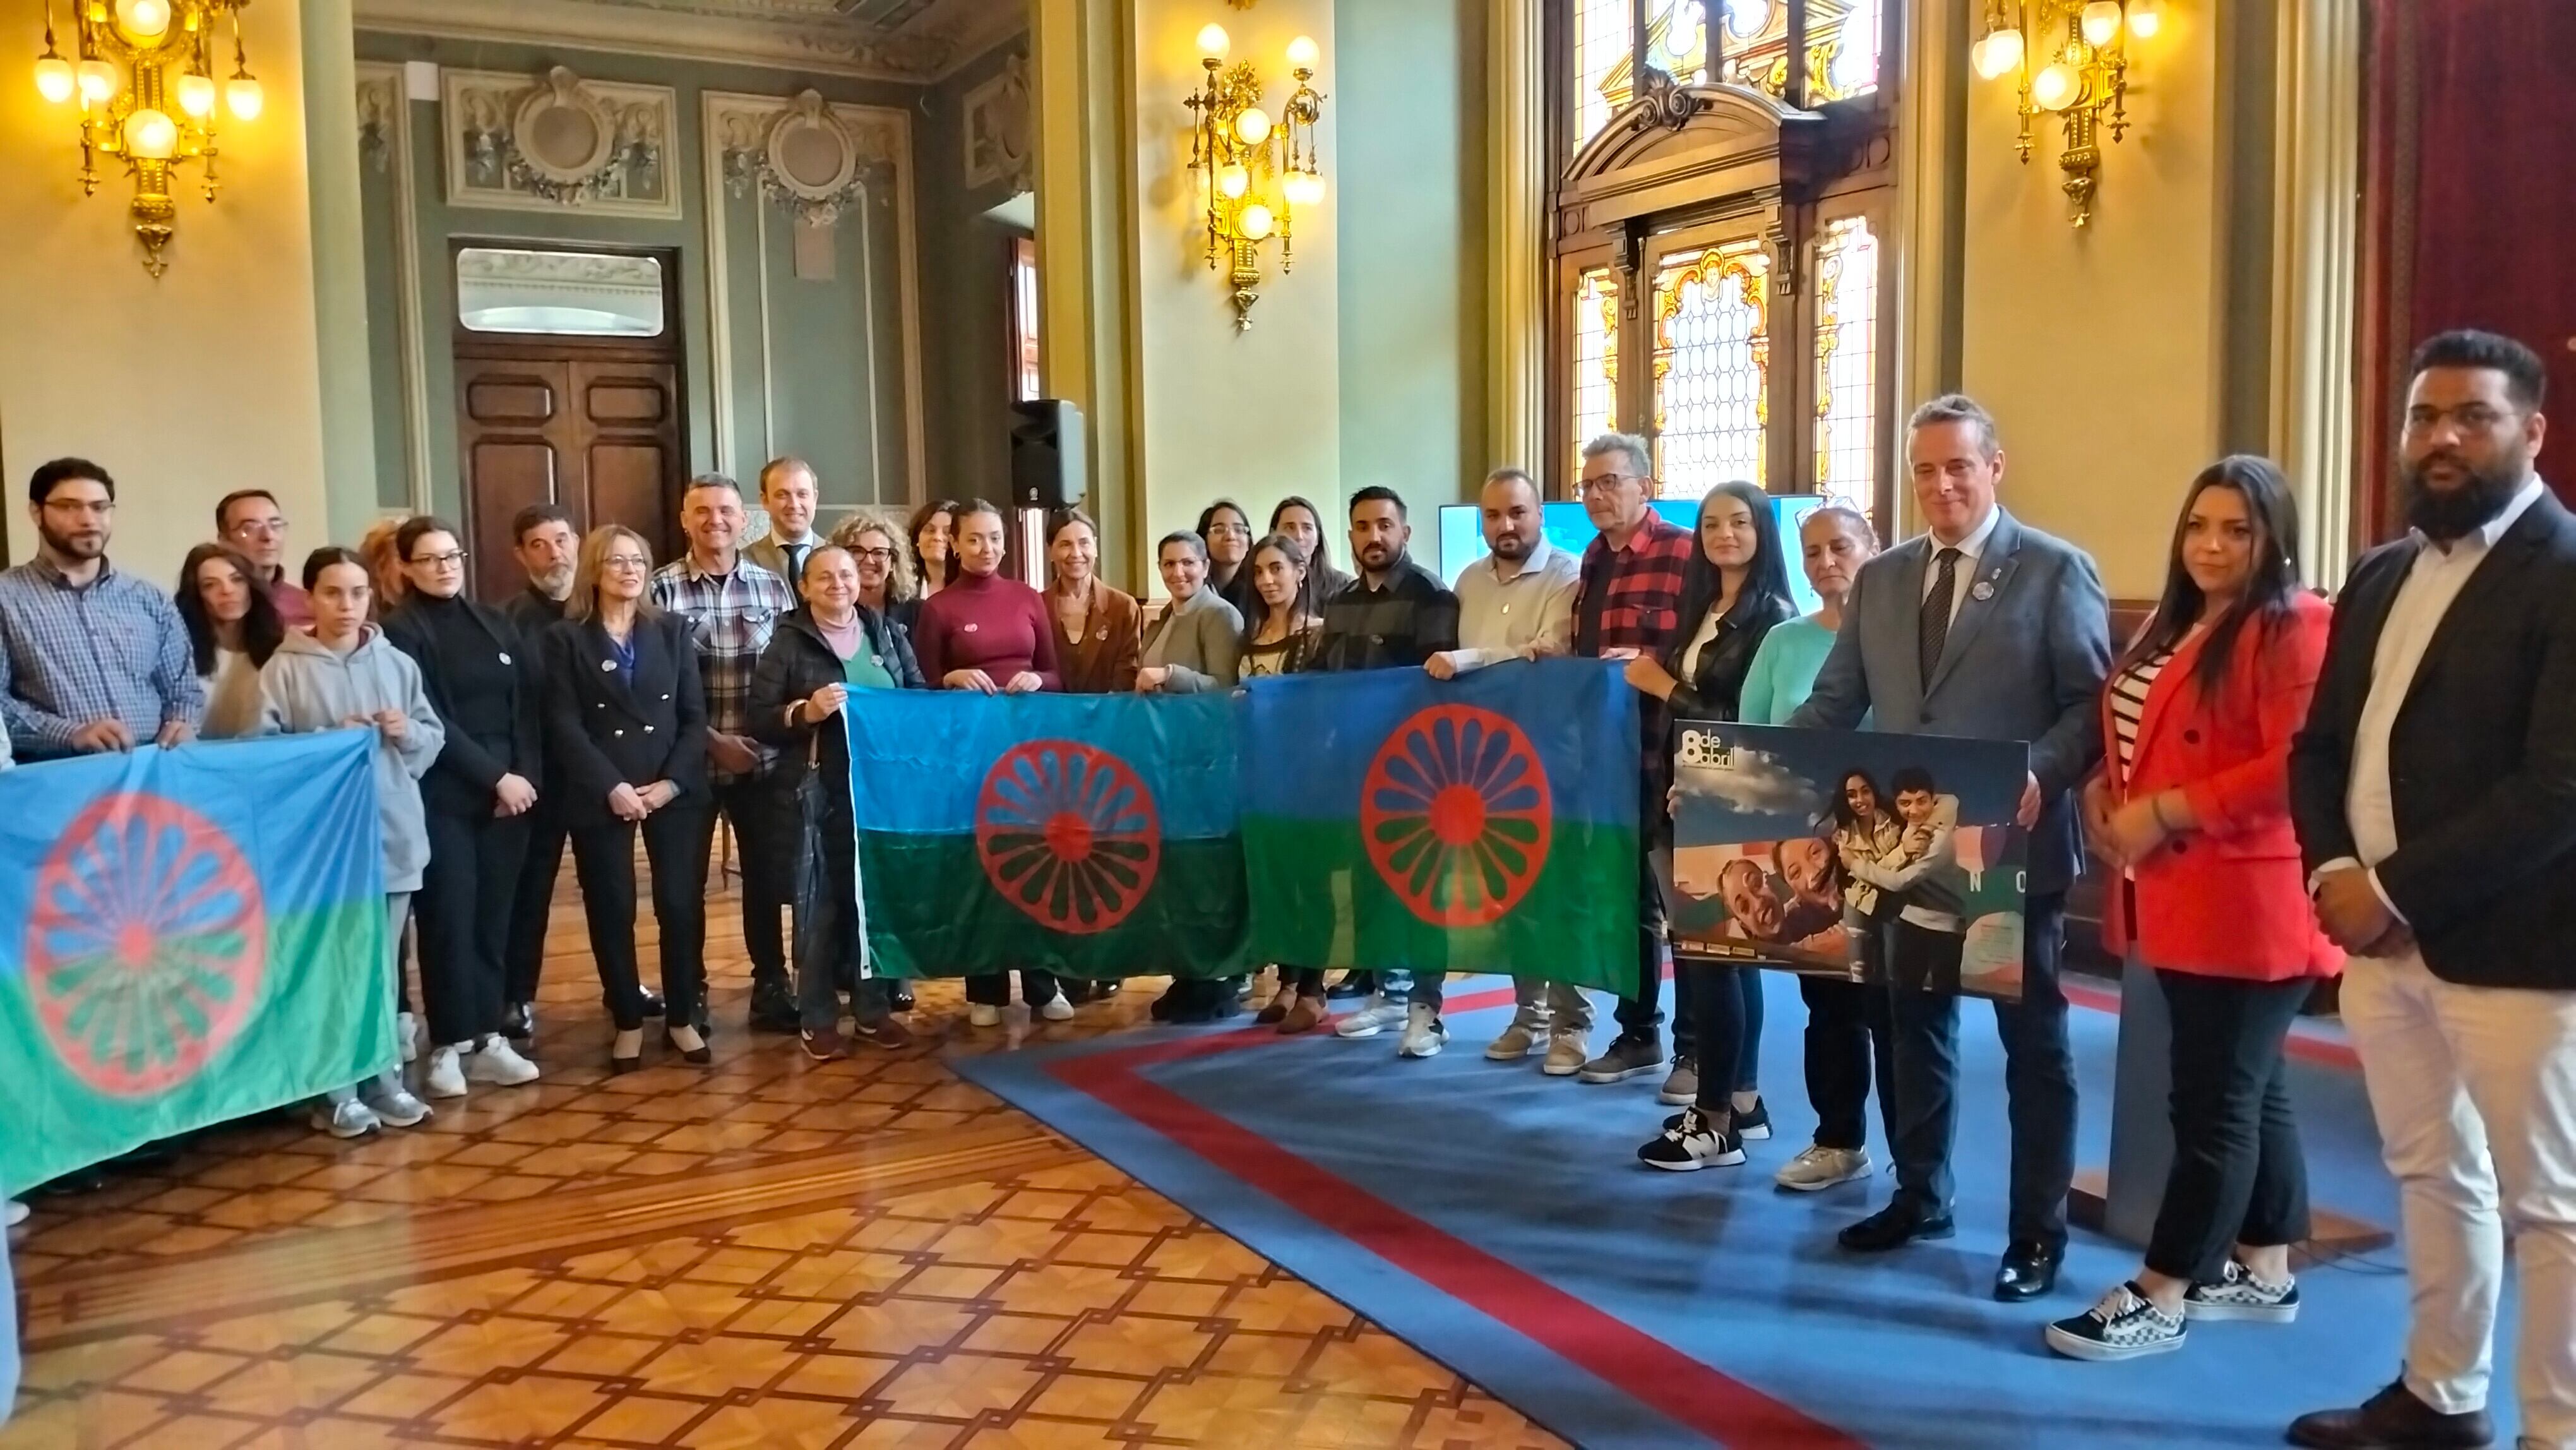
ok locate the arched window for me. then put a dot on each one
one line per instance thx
(1721, 248)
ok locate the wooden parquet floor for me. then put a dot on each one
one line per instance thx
(763, 1253)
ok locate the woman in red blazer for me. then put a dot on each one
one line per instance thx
(2192, 807)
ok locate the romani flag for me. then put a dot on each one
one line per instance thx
(186, 937)
(1088, 835)
(1486, 824)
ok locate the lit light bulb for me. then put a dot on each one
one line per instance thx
(2101, 22)
(1255, 223)
(1304, 53)
(143, 21)
(150, 135)
(1998, 53)
(2145, 19)
(1233, 181)
(98, 80)
(1303, 188)
(244, 96)
(55, 80)
(1214, 42)
(1253, 125)
(197, 95)
(2054, 88)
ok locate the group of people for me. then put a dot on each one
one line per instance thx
(2274, 790)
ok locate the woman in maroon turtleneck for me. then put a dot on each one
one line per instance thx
(987, 633)
(984, 632)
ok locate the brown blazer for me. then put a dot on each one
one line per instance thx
(1103, 660)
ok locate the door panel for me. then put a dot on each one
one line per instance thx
(598, 438)
(528, 400)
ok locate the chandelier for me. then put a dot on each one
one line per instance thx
(145, 85)
(1254, 171)
(2083, 78)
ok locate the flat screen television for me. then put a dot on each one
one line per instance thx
(1462, 534)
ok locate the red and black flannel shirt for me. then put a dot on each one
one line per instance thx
(1631, 598)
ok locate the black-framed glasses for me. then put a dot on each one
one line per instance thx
(456, 557)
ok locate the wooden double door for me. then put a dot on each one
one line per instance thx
(592, 428)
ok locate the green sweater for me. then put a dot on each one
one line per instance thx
(1784, 671)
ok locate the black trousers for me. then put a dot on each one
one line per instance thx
(768, 826)
(1726, 1033)
(1847, 1035)
(464, 913)
(603, 856)
(2238, 1176)
(523, 955)
(993, 989)
(2039, 1074)
(1641, 1011)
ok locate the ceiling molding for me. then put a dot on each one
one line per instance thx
(807, 36)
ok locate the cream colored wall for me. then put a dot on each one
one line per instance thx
(2100, 349)
(185, 388)
(1225, 414)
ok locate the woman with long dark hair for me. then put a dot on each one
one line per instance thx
(933, 534)
(1098, 629)
(1226, 531)
(1735, 587)
(233, 627)
(2192, 807)
(1278, 640)
(1300, 521)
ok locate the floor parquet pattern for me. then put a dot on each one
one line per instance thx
(768, 1252)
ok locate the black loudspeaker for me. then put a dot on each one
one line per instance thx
(1047, 454)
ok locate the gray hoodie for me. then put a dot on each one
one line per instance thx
(305, 687)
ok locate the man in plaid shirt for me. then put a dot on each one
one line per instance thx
(1630, 605)
(731, 605)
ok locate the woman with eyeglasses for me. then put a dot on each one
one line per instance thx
(233, 627)
(481, 681)
(627, 721)
(1226, 531)
(890, 589)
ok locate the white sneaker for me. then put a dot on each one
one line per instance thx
(393, 1103)
(1057, 1009)
(349, 1118)
(983, 1014)
(407, 1033)
(1379, 1015)
(1424, 1034)
(498, 1063)
(446, 1075)
(1820, 1167)
(13, 1215)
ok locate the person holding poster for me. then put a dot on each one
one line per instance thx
(1986, 629)
(1735, 588)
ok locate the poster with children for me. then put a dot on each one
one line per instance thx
(1849, 853)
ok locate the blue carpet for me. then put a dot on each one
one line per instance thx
(1903, 1350)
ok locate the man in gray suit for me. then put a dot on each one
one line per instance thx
(1985, 629)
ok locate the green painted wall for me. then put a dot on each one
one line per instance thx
(965, 296)
(1405, 92)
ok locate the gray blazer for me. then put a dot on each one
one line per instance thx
(1201, 639)
(2025, 662)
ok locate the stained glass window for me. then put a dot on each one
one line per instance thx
(1677, 39)
(1601, 63)
(1595, 360)
(1712, 365)
(1846, 54)
(1847, 364)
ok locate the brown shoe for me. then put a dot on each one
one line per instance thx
(2393, 1419)
(1275, 1010)
(823, 1044)
(1307, 1015)
(887, 1033)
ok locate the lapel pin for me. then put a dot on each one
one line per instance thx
(1984, 590)
(970, 629)
(607, 666)
(505, 657)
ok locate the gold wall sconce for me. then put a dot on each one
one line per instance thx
(144, 81)
(2073, 60)
(1253, 170)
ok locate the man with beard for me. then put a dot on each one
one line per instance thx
(1394, 615)
(788, 492)
(250, 520)
(2434, 790)
(91, 658)
(546, 547)
(1516, 603)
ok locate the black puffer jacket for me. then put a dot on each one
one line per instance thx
(800, 661)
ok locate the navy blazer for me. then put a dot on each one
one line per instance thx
(2024, 660)
(601, 731)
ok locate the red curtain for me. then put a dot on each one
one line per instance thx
(2469, 201)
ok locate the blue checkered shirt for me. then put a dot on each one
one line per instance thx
(70, 656)
(730, 618)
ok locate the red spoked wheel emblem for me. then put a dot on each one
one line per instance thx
(1068, 834)
(1455, 815)
(146, 946)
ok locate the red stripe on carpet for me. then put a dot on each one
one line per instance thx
(1641, 1366)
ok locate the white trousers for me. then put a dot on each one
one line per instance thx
(2475, 1092)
